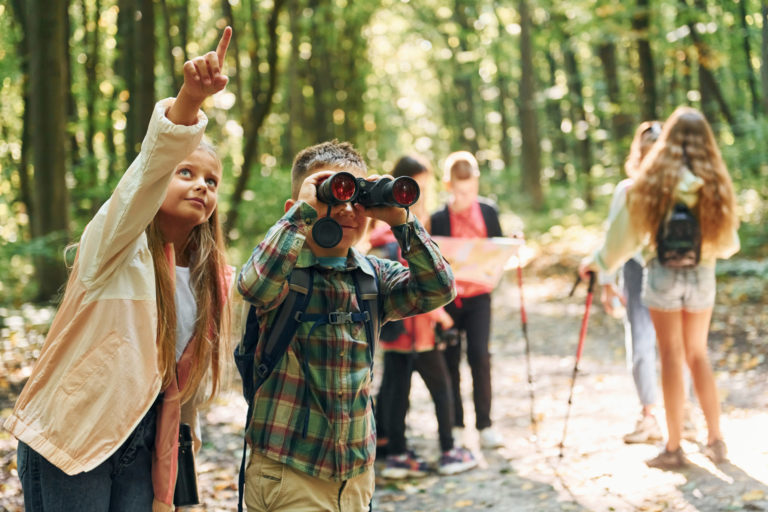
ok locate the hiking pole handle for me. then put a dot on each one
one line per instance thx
(591, 286)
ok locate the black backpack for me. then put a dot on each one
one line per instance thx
(678, 239)
(290, 314)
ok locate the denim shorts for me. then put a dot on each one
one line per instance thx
(674, 289)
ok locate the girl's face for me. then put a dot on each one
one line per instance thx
(193, 192)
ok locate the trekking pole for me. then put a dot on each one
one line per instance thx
(524, 319)
(582, 335)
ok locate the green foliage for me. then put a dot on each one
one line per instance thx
(395, 77)
(263, 206)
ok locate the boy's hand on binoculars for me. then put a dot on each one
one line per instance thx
(308, 190)
(392, 215)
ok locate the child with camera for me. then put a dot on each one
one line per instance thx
(312, 433)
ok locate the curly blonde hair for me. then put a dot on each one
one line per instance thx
(686, 140)
(646, 134)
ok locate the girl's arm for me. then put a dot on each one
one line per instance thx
(175, 130)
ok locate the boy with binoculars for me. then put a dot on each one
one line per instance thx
(312, 433)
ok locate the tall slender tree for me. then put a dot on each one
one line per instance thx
(641, 22)
(529, 123)
(46, 28)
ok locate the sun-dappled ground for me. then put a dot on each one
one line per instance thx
(596, 472)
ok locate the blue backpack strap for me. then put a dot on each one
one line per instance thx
(277, 340)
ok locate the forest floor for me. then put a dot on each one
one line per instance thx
(597, 471)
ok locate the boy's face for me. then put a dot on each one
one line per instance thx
(464, 193)
(350, 217)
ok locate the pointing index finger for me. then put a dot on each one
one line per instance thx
(221, 49)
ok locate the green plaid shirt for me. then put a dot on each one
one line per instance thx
(335, 390)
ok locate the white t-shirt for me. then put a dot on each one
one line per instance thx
(186, 310)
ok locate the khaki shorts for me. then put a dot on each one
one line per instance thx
(273, 486)
(675, 289)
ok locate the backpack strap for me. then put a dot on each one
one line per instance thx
(277, 340)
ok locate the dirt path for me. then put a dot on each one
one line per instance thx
(597, 472)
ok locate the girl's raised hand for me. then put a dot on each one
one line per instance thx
(203, 76)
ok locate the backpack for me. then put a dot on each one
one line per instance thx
(678, 239)
(290, 314)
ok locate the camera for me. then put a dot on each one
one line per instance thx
(185, 493)
(344, 187)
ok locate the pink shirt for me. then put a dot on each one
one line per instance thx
(469, 223)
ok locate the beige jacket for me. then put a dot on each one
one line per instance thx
(97, 374)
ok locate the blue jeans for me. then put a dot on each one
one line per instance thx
(122, 483)
(642, 334)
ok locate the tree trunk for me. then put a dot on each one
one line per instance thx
(559, 144)
(127, 68)
(48, 105)
(262, 104)
(72, 146)
(91, 41)
(764, 60)
(175, 78)
(464, 83)
(504, 97)
(641, 24)
(25, 185)
(145, 58)
(294, 99)
(529, 124)
(710, 90)
(621, 121)
(580, 125)
(751, 78)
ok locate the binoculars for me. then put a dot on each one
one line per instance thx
(344, 187)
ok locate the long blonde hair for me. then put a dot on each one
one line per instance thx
(686, 140)
(206, 254)
(646, 134)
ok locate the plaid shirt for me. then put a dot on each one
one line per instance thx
(334, 387)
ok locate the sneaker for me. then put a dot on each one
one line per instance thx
(406, 465)
(647, 430)
(716, 451)
(489, 438)
(668, 460)
(456, 460)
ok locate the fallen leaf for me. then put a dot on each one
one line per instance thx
(753, 495)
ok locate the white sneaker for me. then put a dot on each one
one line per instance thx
(489, 438)
(456, 460)
(647, 430)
